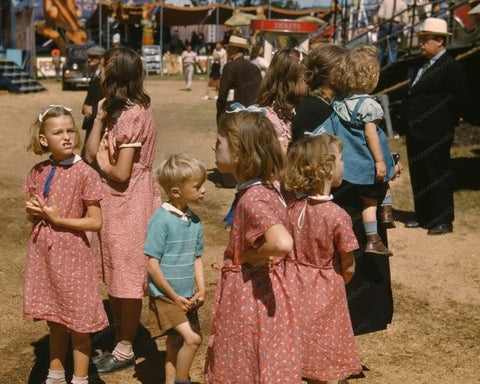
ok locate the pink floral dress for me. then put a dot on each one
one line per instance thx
(254, 337)
(128, 206)
(282, 125)
(321, 230)
(60, 281)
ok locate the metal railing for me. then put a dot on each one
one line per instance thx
(412, 10)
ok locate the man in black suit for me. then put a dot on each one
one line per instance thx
(238, 76)
(436, 99)
(94, 93)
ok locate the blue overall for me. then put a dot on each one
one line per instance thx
(358, 161)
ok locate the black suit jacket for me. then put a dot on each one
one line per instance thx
(244, 78)
(433, 105)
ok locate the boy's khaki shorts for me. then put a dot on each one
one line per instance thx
(164, 315)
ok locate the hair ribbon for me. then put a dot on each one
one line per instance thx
(254, 108)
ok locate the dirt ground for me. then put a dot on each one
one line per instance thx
(435, 333)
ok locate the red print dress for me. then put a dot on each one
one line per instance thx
(328, 345)
(127, 207)
(254, 338)
(60, 281)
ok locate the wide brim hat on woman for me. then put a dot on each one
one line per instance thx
(434, 26)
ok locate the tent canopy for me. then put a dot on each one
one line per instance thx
(173, 15)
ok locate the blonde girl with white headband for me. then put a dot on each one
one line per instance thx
(60, 281)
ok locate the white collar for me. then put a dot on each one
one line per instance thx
(71, 160)
(437, 56)
(185, 216)
(248, 184)
(301, 195)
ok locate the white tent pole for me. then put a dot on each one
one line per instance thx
(161, 38)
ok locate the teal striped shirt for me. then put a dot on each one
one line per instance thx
(176, 243)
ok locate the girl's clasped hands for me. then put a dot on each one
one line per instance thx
(37, 207)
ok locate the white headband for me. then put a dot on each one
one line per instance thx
(49, 108)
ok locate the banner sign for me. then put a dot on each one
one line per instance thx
(45, 66)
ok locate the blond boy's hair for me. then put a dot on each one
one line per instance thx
(310, 163)
(179, 169)
(38, 126)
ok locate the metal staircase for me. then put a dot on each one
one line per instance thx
(14, 79)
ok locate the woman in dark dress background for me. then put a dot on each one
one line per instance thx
(369, 293)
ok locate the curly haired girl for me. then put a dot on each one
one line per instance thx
(322, 261)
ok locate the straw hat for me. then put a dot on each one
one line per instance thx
(434, 26)
(236, 41)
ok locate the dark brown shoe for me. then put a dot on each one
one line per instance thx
(386, 216)
(375, 246)
(441, 229)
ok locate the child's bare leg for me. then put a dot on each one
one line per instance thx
(58, 353)
(58, 346)
(369, 212)
(185, 355)
(81, 354)
(174, 343)
(115, 305)
(130, 318)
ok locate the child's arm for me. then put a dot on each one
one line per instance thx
(348, 265)
(277, 242)
(373, 143)
(199, 298)
(93, 141)
(91, 222)
(158, 278)
(122, 169)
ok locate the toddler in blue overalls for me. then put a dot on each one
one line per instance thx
(369, 164)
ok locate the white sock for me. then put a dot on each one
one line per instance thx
(123, 351)
(56, 377)
(79, 380)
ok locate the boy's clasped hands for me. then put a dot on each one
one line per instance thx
(190, 305)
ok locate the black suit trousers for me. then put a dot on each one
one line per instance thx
(431, 176)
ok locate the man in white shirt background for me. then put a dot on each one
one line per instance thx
(189, 57)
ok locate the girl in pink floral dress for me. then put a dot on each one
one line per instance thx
(281, 89)
(60, 281)
(124, 156)
(254, 338)
(323, 260)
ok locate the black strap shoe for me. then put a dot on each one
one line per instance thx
(111, 364)
(98, 358)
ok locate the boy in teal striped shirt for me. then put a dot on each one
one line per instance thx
(174, 246)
